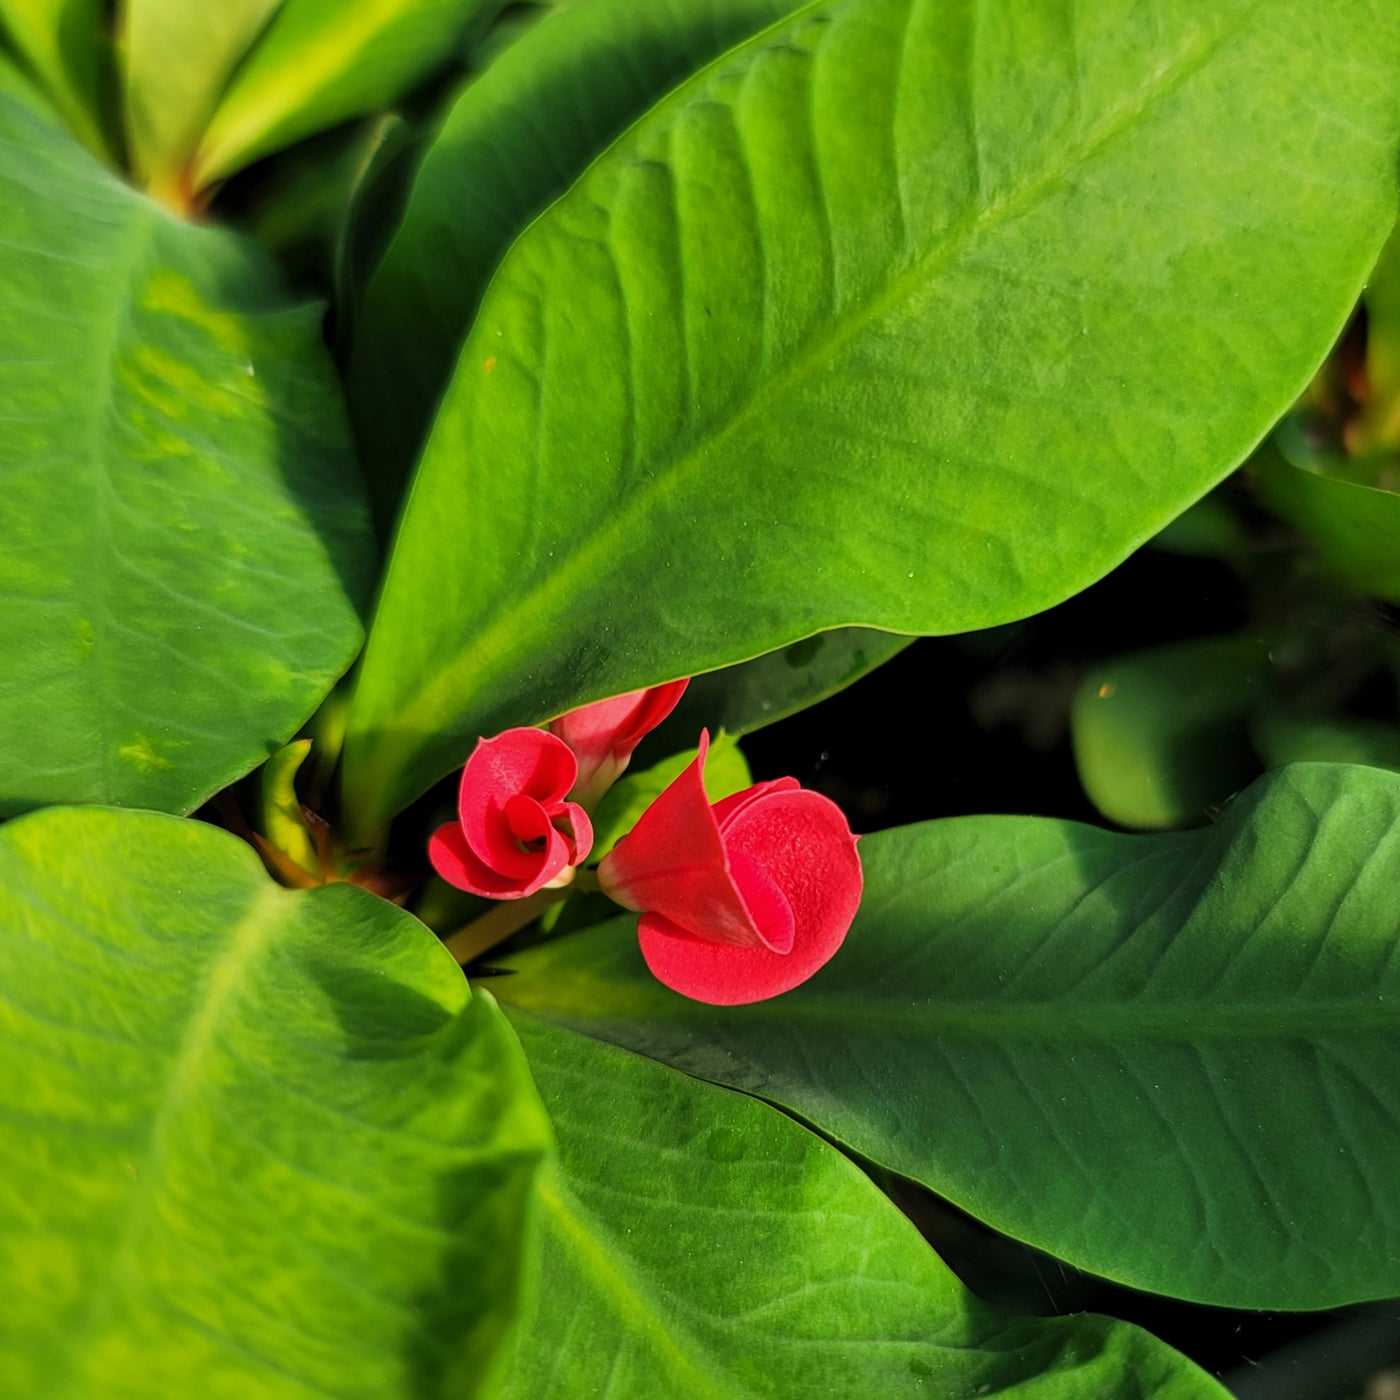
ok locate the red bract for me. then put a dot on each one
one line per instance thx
(742, 900)
(604, 735)
(515, 832)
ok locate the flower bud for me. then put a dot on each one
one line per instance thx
(742, 900)
(515, 831)
(603, 736)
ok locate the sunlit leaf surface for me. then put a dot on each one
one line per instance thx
(256, 1143)
(1167, 1059)
(184, 545)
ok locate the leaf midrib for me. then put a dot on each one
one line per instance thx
(485, 656)
(634, 1309)
(223, 980)
(134, 248)
(1090, 1023)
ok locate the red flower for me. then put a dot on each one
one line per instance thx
(515, 831)
(604, 735)
(740, 901)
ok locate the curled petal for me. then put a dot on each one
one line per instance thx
(524, 763)
(802, 841)
(577, 829)
(507, 842)
(673, 863)
(526, 819)
(764, 899)
(459, 865)
(727, 808)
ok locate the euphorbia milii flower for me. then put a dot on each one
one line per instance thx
(515, 831)
(603, 736)
(741, 900)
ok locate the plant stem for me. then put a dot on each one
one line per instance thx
(473, 939)
(480, 935)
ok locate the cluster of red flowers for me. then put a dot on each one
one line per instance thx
(740, 900)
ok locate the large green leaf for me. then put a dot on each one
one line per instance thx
(324, 61)
(1160, 736)
(517, 137)
(177, 59)
(1168, 1059)
(754, 693)
(697, 1245)
(1349, 510)
(905, 313)
(255, 1143)
(63, 43)
(1285, 735)
(183, 539)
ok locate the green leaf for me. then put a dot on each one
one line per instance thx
(177, 58)
(1160, 735)
(693, 1243)
(369, 218)
(876, 320)
(256, 1142)
(726, 772)
(303, 199)
(322, 62)
(517, 138)
(1340, 505)
(742, 698)
(1210, 529)
(64, 44)
(1167, 1059)
(1282, 735)
(183, 543)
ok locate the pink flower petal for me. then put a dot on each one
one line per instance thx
(459, 865)
(673, 863)
(580, 830)
(505, 844)
(789, 854)
(727, 808)
(604, 735)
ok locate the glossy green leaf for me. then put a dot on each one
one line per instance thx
(64, 45)
(726, 772)
(177, 58)
(518, 137)
(1167, 1059)
(1341, 507)
(321, 62)
(694, 1244)
(908, 314)
(1160, 736)
(742, 698)
(256, 1142)
(183, 541)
